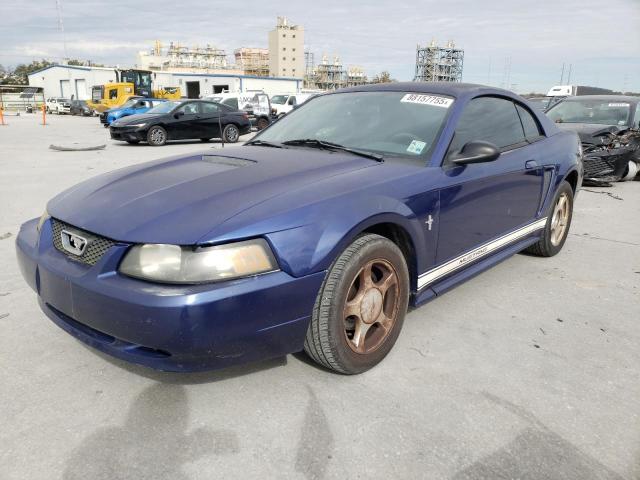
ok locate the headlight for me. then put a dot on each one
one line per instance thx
(45, 216)
(137, 125)
(175, 264)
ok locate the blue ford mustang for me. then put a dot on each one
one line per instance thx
(316, 235)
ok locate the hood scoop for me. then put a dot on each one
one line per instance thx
(233, 162)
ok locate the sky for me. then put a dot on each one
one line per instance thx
(600, 40)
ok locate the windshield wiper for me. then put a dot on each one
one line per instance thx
(314, 142)
(264, 143)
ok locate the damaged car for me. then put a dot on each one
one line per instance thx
(609, 129)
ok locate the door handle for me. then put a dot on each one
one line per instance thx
(529, 164)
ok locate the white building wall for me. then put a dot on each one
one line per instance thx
(59, 81)
(70, 78)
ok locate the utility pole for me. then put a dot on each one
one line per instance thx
(562, 75)
(61, 27)
(569, 76)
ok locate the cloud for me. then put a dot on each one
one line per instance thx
(538, 36)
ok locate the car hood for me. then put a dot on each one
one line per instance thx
(591, 132)
(137, 118)
(180, 199)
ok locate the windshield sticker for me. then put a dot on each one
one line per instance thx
(416, 147)
(434, 100)
(618, 104)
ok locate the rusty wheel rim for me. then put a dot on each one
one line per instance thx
(371, 308)
(560, 219)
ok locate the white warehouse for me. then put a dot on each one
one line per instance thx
(70, 81)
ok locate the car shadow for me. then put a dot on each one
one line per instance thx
(155, 441)
(193, 378)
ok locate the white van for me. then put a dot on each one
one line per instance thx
(256, 104)
(283, 104)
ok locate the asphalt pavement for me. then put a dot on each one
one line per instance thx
(528, 371)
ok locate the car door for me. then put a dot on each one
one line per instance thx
(482, 202)
(184, 122)
(210, 120)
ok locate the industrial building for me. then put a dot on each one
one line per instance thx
(439, 64)
(253, 61)
(177, 57)
(76, 82)
(286, 50)
(331, 74)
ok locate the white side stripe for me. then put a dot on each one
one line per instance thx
(479, 252)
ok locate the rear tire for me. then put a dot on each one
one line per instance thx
(558, 223)
(262, 123)
(231, 134)
(360, 308)
(630, 172)
(157, 136)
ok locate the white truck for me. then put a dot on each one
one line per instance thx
(256, 104)
(575, 90)
(58, 105)
(283, 104)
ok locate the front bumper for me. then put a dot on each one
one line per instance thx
(173, 328)
(127, 134)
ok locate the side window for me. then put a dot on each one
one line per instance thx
(209, 108)
(189, 109)
(489, 119)
(532, 130)
(231, 102)
(113, 93)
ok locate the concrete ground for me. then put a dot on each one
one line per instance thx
(529, 371)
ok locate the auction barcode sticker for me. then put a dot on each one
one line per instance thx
(434, 100)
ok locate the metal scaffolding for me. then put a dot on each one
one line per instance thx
(439, 64)
(331, 75)
(253, 61)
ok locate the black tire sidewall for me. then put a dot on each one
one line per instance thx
(383, 248)
(155, 144)
(225, 133)
(550, 248)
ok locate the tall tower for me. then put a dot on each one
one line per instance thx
(286, 50)
(439, 64)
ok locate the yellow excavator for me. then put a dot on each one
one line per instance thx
(129, 83)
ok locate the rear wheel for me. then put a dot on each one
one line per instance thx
(262, 123)
(231, 134)
(557, 228)
(361, 306)
(157, 136)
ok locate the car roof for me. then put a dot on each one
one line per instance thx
(453, 89)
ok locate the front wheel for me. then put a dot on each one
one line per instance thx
(361, 306)
(556, 229)
(157, 136)
(262, 123)
(231, 134)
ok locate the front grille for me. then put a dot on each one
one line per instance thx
(96, 245)
(595, 166)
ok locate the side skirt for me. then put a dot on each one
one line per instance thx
(462, 276)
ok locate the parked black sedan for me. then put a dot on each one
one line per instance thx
(181, 120)
(80, 107)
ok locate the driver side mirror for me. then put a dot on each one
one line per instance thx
(476, 152)
(178, 114)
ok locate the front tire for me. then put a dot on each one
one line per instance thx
(360, 307)
(157, 136)
(558, 223)
(262, 123)
(231, 134)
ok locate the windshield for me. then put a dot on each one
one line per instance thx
(602, 112)
(164, 107)
(129, 103)
(388, 123)
(279, 99)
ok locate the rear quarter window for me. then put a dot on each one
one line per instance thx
(532, 130)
